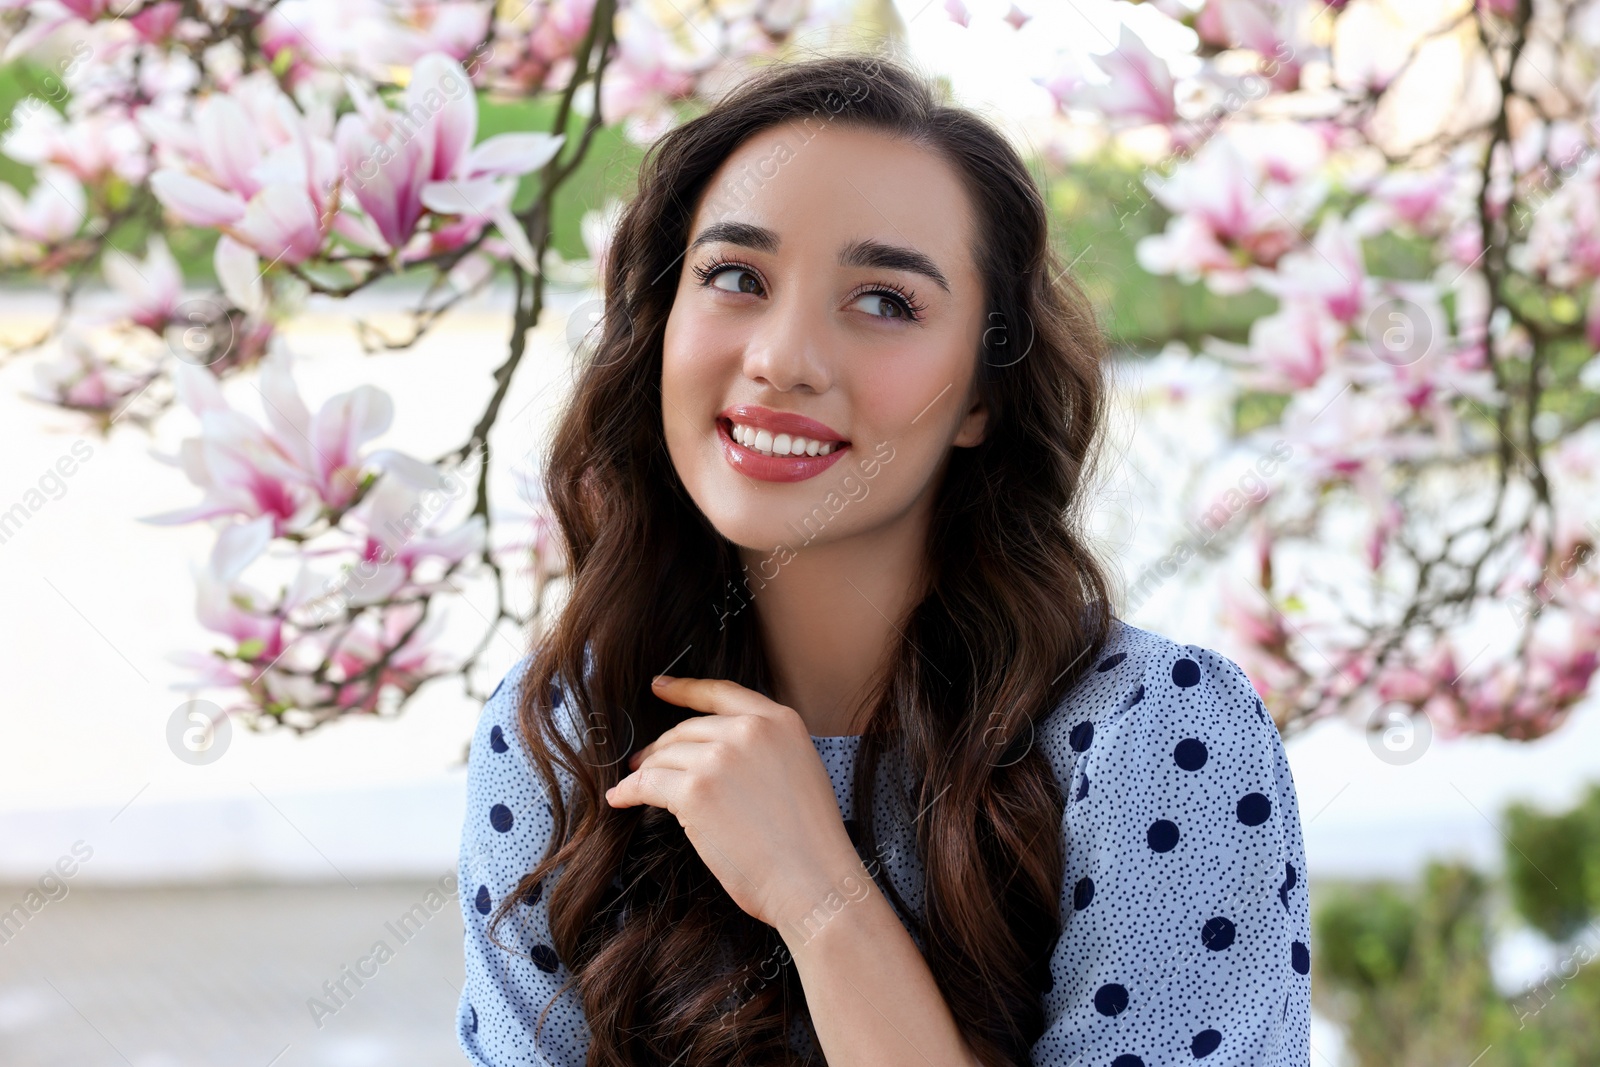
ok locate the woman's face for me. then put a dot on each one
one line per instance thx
(828, 292)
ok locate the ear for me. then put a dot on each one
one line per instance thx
(974, 424)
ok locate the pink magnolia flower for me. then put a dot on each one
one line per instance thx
(253, 166)
(957, 12)
(399, 534)
(1017, 17)
(1332, 273)
(294, 468)
(534, 46)
(1289, 350)
(410, 661)
(150, 290)
(1249, 24)
(1141, 87)
(88, 146)
(52, 212)
(652, 71)
(423, 156)
(451, 27)
(155, 22)
(77, 376)
(1416, 199)
(1224, 221)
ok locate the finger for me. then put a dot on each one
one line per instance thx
(656, 786)
(699, 728)
(717, 696)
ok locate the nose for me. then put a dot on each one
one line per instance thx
(787, 350)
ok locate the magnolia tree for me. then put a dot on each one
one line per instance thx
(1432, 357)
(1430, 363)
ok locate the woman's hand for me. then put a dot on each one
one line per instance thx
(752, 795)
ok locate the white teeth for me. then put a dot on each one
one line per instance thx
(782, 445)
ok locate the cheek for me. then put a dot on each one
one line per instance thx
(681, 369)
(915, 392)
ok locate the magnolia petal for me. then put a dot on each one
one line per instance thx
(512, 153)
(516, 237)
(195, 202)
(410, 470)
(190, 514)
(238, 545)
(198, 389)
(228, 143)
(440, 89)
(281, 222)
(286, 412)
(239, 270)
(341, 427)
(471, 198)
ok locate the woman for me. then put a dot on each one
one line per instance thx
(912, 795)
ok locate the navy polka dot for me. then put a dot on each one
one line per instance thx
(1081, 736)
(1111, 999)
(1190, 754)
(1217, 933)
(1205, 1043)
(1254, 809)
(1173, 736)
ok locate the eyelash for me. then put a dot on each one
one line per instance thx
(905, 298)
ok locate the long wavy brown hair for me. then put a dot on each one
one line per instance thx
(1016, 607)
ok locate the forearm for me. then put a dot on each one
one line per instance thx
(872, 998)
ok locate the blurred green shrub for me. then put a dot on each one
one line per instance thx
(1406, 970)
(1553, 865)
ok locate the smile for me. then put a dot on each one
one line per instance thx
(766, 465)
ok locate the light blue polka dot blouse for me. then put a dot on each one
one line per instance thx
(1185, 917)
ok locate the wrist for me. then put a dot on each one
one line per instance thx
(837, 904)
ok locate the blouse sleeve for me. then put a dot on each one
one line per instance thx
(508, 826)
(1185, 916)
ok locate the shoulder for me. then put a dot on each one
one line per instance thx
(1146, 684)
(498, 756)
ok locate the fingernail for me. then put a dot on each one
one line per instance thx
(660, 679)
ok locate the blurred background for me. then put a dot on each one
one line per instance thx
(292, 291)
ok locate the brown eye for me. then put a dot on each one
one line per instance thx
(746, 279)
(881, 306)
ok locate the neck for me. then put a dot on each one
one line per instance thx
(831, 616)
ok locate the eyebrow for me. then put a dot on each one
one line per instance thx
(863, 253)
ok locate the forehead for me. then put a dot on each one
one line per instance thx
(822, 184)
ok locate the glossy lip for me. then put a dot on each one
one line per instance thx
(777, 422)
(749, 462)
